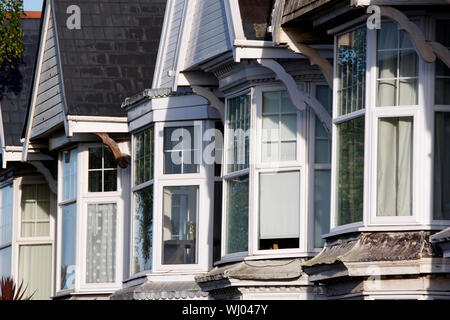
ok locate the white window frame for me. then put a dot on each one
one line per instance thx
(61, 204)
(6, 184)
(18, 240)
(138, 187)
(431, 112)
(108, 197)
(313, 167)
(259, 167)
(236, 256)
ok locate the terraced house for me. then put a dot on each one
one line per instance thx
(286, 149)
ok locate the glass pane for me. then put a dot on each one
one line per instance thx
(237, 133)
(279, 210)
(110, 180)
(269, 151)
(442, 93)
(388, 39)
(322, 193)
(350, 174)
(387, 91)
(69, 178)
(387, 64)
(143, 230)
(95, 158)
(35, 270)
(95, 181)
(408, 92)
(288, 151)
(325, 96)
(351, 71)
(409, 63)
(288, 127)
(179, 146)
(35, 210)
(394, 183)
(101, 243)
(6, 214)
(68, 235)
(5, 262)
(441, 192)
(271, 102)
(286, 103)
(109, 161)
(236, 232)
(180, 208)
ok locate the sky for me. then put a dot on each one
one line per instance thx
(32, 5)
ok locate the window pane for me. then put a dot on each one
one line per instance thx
(441, 190)
(236, 236)
(237, 133)
(95, 158)
(180, 155)
(143, 230)
(322, 191)
(35, 207)
(394, 166)
(95, 181)
(442, 72)
(279, 127)
(5, 262)
(101, 243)
(6, 214)
(351, 71)
(102, 175)
(68, 234)
(398, 66)
(279, 210)
(322, 143)
(350, 175)
(35, 270)
(180, 206)
(69, 178)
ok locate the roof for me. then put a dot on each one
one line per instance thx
(14, 107)
(153, 94)
(443, 236)
(112, 56)
(164, 290)
(282, 270)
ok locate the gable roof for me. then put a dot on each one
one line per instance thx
(14, 107)
(91, 70)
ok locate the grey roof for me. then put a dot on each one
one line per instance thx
(374, 246)
(112, 56)
(14, 107)
(282, 269)
(443, 236)
(164, 290)
(149, 94)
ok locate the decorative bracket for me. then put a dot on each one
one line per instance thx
(47, 175)
(215, 102)
(288, 36)
(299, 98)
(123, 160)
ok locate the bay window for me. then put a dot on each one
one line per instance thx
(67, 203)
(142, 224)
(349, 126)
(91, 210)
(6, 218)
(180, 221)
(236, 177)
(394, 183)
(321, 164)
(35, 238)
(441, 179)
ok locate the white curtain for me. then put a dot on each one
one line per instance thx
(35, 270)
(101, 243)
(279, 208)
(394, 166)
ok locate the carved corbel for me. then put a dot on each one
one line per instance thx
(122, 160)
(289, 37)
(299, 98)
(52, 185)
(215, 102)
